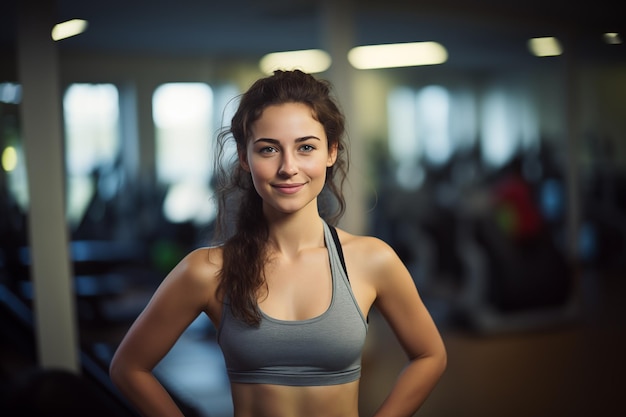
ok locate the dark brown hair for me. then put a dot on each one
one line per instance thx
(241, 226)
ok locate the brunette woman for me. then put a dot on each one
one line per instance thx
(288, 292)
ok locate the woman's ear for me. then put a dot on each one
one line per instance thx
(332, 154)
(243, 159)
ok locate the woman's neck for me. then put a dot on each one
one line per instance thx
(293, 233)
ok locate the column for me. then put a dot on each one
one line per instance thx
(41, 116)
(337, 31)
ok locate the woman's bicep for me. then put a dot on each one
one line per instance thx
(400, 303)
(180, 298)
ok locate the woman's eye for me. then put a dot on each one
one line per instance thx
(267, 149)
(307, 148)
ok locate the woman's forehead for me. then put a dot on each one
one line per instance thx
(288, 118)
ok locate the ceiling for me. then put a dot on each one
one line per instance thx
(478, 34)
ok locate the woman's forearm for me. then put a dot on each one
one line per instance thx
(412, 387)
(145, 392)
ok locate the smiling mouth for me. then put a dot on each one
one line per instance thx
(288, 188)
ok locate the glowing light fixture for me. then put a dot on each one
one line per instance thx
(547, 46)
(9, 159)
(308, 60)
(612, 38)
(68, 29)
(397, 55)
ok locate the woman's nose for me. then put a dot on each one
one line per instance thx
(288, 167)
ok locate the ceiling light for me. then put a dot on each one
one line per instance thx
(397, 55)
(612, 38)
(67, 29)
(547, 46)
(309, 60)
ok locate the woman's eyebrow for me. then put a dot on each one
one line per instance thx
(276, 141)
(304, 138)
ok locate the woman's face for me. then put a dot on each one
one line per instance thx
(287, 156)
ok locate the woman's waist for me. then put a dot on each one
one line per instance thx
(266, 400)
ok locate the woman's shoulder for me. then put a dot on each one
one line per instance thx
(197, 276)
(370, 249)
(371, 262)
(201, 265)
(206, 257)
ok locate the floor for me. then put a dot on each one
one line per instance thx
(571, 369)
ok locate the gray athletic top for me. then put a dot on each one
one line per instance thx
(324, 350)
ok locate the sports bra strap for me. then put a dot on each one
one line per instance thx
(333, 232)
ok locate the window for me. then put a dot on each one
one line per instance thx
(91, 116)
(405, 147)
(418, 130)
(508, 124)
(433, 113)
(431, 124)
(183, 116)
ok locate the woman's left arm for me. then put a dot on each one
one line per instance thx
(398, 301)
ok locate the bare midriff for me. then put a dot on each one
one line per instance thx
(263, 400)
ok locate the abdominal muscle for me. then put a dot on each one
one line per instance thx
(263, 400)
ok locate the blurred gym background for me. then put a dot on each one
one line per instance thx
(496, 169)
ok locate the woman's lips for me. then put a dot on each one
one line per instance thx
(288, 188)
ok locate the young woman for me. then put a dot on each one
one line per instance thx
(288, 293)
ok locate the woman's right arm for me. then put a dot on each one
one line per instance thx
(187, 291)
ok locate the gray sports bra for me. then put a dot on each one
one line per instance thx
(324, 350)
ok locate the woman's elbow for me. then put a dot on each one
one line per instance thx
(119, 372)
(441, 357)
(443, 360)
(116, 372)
